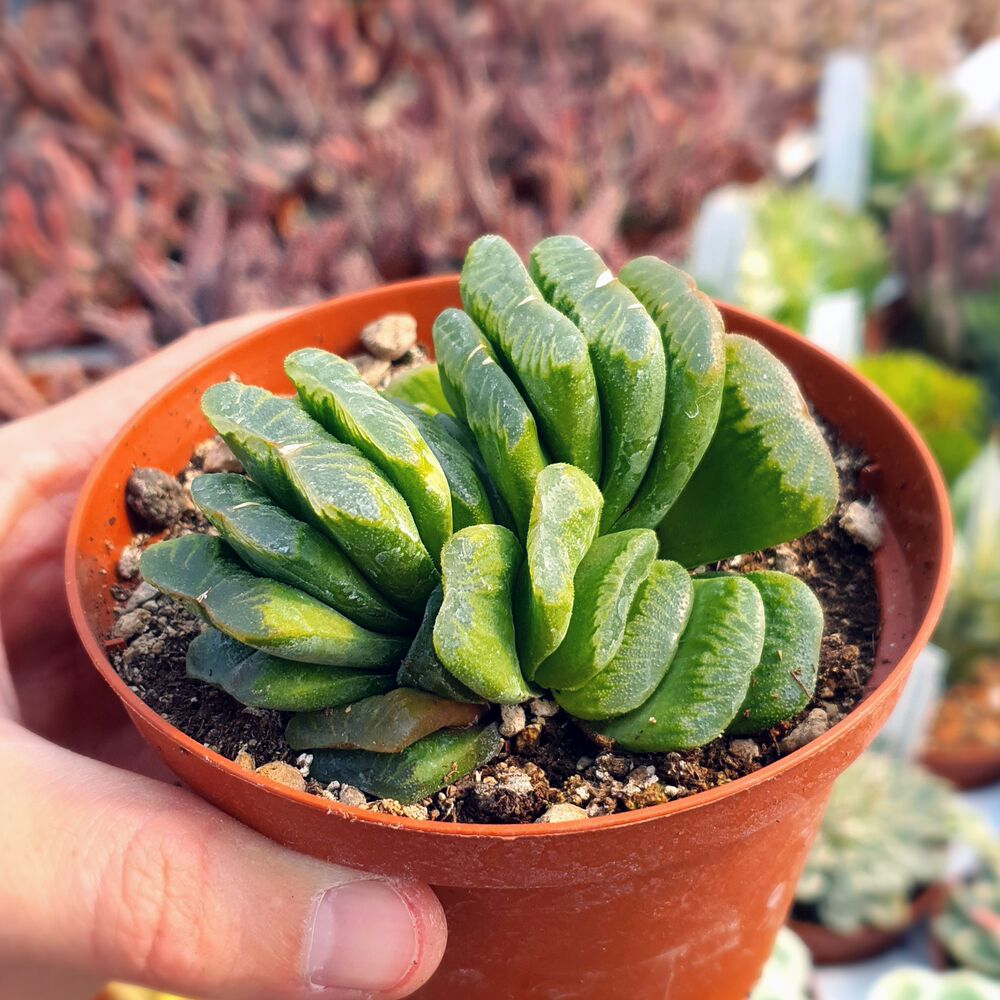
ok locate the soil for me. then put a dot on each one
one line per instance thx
(549, 760)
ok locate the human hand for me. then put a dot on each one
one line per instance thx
(106, 874)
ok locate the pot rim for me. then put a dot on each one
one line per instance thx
(869, 704)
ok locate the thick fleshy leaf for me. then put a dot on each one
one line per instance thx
(490, 404)
(256, 425)
(626, 350)
(328, 483)
(384, 723)
(470, 503)
(605, 586)
(785, 678)
(709, 676)
(364, 514)
(421, 667)
(474, 630)
(277, 545)
(564, 519)
(419, 386)
(694, 345)
(262, 613)
(659, 614)
(542, 349)
(418, 771)
(260, 680)
(337, 397)
(767, 476)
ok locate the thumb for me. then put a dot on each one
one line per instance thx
(114, 875)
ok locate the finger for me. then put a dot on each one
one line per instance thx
(124, 877)
(57, 446)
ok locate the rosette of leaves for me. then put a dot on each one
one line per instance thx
(968, 928)
(884, 838)
(523, 517)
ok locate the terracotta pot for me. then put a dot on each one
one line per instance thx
(965, 767)
(682, 899)
(830, 948)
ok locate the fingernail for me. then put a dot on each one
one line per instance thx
(364, 938)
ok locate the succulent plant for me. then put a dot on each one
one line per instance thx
(522, 517)
(951, 410)
(968, 928)
(800, 247)
(883, 838)
(970, 625)
(787, 972)
(922, 984)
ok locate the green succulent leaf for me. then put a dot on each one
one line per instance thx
(260, 680)
(626, 351)
(474, 630)
(256, 425)
(605, 586)
(564, 518)
(490, 404)
(658, 617)
(785, 678)
(694, 345)
(275, 544)
(383, 723)
(420, 770)
(470, 502)
(334, 394)
(709, 676)
(330, 484)
(543, 351)
(767, 476)
(347, 497)
(262, 613)
(421, 667)
(419, 386)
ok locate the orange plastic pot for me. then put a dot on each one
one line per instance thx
(681, 900)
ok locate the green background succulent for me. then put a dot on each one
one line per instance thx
(922, 984)
(523, 516)
(883, 838)
(951, 410)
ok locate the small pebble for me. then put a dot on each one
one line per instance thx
(512, 720)
(542, 708)
(132, 623)
(157, 499)
(861, 522)
(562, 812)
(372, 370)
(128, 561)
(744, 750)
(246, 761)
(390, 336)
(143, 593)
(284, 774)
(352, 796)
(216, 456)
(814, 724)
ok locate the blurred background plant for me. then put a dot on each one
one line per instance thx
(948, 408)
(884, 839)
(968, 927)
(801, 246)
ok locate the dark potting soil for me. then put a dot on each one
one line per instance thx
(550, 765)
